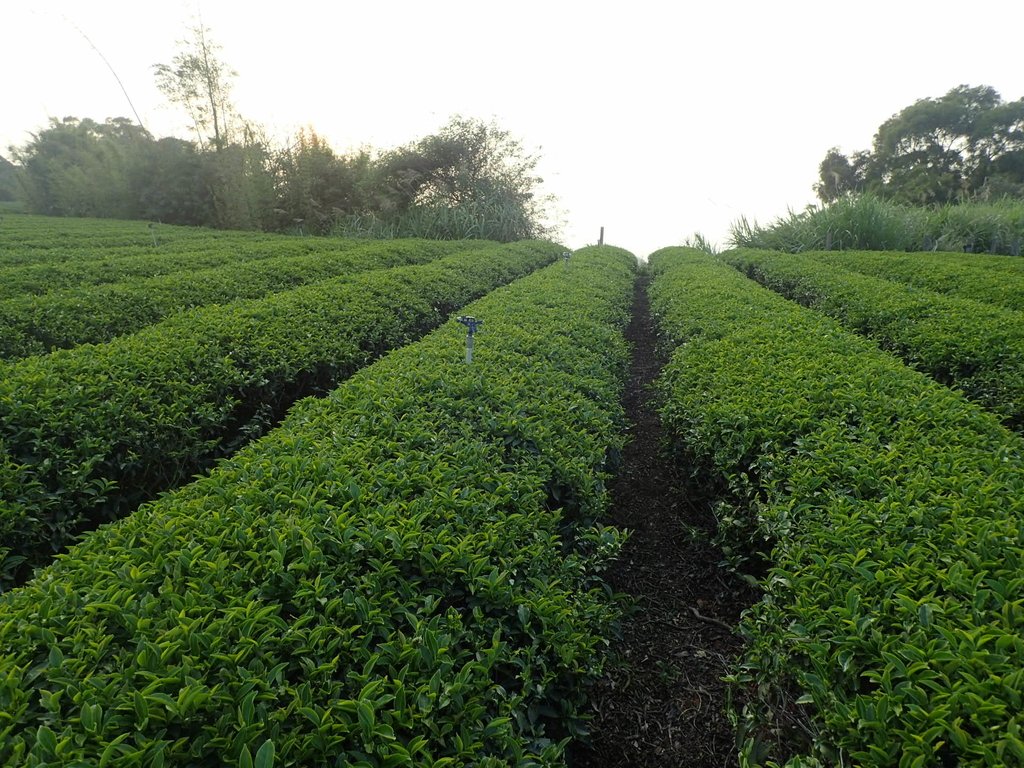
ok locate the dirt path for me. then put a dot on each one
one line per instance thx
(662, 702)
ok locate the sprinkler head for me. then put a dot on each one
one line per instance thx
(471, 323)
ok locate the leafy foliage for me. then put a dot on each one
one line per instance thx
(994, 280)
(976, 347)
(889, 510)
(317, 186)
(117, 170)
(41, 254)
(404, 573)
(89, 433)
(469, 180)
(701, 243)
(82, 168)
(96, 314)
(41, 240)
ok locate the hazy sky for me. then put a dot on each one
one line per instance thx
(654, 119)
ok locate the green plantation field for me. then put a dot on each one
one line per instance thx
(38, 240)
(402, 573)
(889, 510)
(31, 325)
(974, 346)
(257, 509)
(90, 432)
(997, 280)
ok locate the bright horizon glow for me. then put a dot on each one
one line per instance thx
(652, 120)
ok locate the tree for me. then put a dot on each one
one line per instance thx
(82, 168)
(241, 182)
(473, 167)
(838, 175)
(239, 171)
(170, 184)
(8, 180)
(960, 146)
(316, 186)
(198, 80)
(79, 167)
(999, 146)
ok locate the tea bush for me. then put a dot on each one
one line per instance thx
(890, 514)
(405, 573)
(89, 433)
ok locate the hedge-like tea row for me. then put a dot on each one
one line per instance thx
(89, 433)
(402, 574)
(995, 280)
(27, 239)
(95, 314)
(118, 264)
(974, 347)
(894, 513)
(80, 267)
(49, 260)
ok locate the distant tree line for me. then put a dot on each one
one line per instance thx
(470, 179)
(8, 180)
(966, 145)
(474, 171)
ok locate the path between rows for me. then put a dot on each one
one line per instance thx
(662, 702)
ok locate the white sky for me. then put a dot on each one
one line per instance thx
(654, 119)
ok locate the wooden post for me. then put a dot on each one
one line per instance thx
(600, 240)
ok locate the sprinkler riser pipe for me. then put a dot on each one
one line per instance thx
(471, 323)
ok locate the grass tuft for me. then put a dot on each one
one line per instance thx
(867, 222)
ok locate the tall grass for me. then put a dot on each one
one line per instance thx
(996, 227)
(701, 243)
(866, 222)
(469, 221)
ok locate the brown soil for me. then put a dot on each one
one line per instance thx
(662, 702)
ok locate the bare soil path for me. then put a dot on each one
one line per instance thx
(662, 702)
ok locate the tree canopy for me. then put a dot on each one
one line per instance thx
(470, 166)
(82, 168)
(965, 145)
(200, 82)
